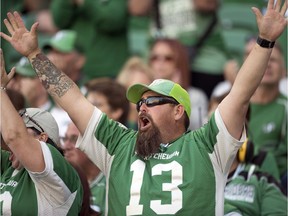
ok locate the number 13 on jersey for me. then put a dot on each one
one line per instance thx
(138, 169)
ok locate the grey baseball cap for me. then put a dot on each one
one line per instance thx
(41, 120)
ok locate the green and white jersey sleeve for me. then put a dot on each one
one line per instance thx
(188, 178)
(55, 191)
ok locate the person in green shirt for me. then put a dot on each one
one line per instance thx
(268, 110)
(161, 169)
(102, 32)
(35, 177)
(252, 191)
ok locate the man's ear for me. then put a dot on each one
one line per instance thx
(43, 137)
(179, 111)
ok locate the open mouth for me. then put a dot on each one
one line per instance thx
(143, 123)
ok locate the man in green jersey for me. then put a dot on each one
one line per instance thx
(252, 191)
(162, 169)
(269, 108)
(35, 177)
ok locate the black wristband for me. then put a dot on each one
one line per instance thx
(265, 43)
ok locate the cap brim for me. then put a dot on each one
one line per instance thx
(26, 72)
(136, 91)
(30, 124)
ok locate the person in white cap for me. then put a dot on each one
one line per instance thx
(161, 169)
(35, 177)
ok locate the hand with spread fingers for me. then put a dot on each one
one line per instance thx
(5, 78)
(24, 41)
(273, 23)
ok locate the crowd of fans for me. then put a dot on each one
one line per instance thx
(106, 46)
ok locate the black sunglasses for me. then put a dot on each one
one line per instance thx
(155, 100)
(24, 113)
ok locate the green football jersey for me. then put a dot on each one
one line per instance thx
(255, 193)
(55, 191)
(268, 129)
(185, 179)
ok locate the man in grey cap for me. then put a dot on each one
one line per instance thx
(35, 178)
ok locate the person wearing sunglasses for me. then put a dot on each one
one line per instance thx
(161, 169)
(35, 177)
(169, 60)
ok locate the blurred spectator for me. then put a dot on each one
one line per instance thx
(102, 28)
(27, 83)
(62, 51)
(87, 209)
(135, 70)
(16, 98)
(283, 86)
(195, 24)
(265, 160)
(110, 97)
(169, 60)
(263, 194)
(31, 11)
(85, 166)
(268, 115)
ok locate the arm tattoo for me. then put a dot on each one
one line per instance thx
(55, 81)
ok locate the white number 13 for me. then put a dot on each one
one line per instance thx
(138, 167)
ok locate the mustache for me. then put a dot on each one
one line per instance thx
(146, 115)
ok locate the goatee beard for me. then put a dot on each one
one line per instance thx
(148, 142)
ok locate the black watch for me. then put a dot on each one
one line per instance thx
(265, 43)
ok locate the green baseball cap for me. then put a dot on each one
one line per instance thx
(62, 41)
(24, 68)
(163, 87)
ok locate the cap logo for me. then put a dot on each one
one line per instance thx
(23, 61)
(156, 82)
(59, 35)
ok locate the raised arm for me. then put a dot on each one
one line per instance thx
(14, 131)
(63, 90)
(234, 107)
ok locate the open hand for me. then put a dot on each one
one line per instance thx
(24, 41)
(273, 23)
(4, 77)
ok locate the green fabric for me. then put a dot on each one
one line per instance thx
(213, 54)
(101, 28)
(268, 129)
(98, 193)
(167, 183)
(139, 35)
(18, 189)
(270, 166)
(256, 195)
